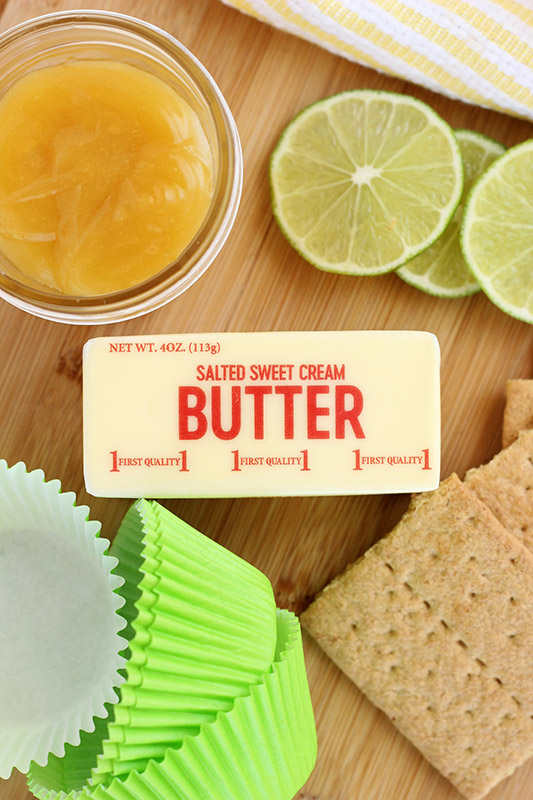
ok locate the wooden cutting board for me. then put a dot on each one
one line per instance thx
(260, 283)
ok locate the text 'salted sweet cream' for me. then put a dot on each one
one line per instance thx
(261, 414)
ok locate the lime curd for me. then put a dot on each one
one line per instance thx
(106, 176)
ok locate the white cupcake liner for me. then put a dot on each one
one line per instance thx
(59, 631)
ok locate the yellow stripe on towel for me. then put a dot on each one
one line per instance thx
(481, 51)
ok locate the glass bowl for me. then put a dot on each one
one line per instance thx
(93, 35)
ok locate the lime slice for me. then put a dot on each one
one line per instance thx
(363, 181)
(441, 269)
(497, 231)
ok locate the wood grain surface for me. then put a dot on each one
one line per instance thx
(259, 283)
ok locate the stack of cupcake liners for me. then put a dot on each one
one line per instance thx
(60, 641)
(205, 630)
(264, 748)
(215, 702)
(258, 750)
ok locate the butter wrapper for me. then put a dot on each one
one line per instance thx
(262, 414)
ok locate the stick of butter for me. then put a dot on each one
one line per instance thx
(261, 414)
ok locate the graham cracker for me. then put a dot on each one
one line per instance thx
(518, 412)
(435, 625)
(505, 485)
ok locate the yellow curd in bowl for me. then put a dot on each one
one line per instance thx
(106, 176)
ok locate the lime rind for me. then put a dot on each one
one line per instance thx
(497, 232)
(366, 204)
(441, 269)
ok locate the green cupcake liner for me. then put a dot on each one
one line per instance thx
(60, 641)
(201, 629)
(205, 630)
(263, 748)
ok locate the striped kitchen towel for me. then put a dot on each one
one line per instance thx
(480, 51)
